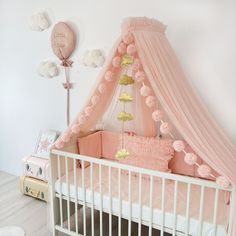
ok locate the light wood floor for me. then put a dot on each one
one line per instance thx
(31, 214)
(19, 210)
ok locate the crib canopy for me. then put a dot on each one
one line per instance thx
(163, 74)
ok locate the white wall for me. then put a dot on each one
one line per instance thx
(203, 33)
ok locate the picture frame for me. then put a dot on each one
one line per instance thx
(45, 141)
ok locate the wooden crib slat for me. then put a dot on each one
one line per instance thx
(130, 204)
(201, 210)
(120, 202)
(140, 204)
(60, 193)
(101, 201)
(188, 208)
(84, 198)
(92, 198)
(150, 205)
(68, 193)
(175, 207)
(215, 212)
(110, 201)
(76, 196)
(163, 189)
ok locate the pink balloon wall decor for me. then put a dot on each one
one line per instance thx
(63, 42)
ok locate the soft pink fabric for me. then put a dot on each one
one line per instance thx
(195, 194)
(142, 147)
(150, 153)
(105, 144)
(110, 144)
(184, 108)
(91, 145)
(147, 152)
(181, 104)
(63, 41)
(178, 165)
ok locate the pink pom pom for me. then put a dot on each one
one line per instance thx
(95, 99)
(102, 88)
(121, 48)
(150, 101)
(178, 145)
(145, 91)
(59, 143)
(131, 49)
(65, 137)
(222, 181)
(140, 76)
(190, 158)
(82, 119)
(165, 128)
(136, 64)
(204, 171)
(88, 110)
(157, 115)
(109, 76)
(128, 38)
(75, 128)
(116, 61)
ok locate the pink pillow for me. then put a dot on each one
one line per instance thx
(147, 152)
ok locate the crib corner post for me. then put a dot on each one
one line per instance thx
(232, 213)
(53, 204)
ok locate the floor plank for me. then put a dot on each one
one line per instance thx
(20, 210)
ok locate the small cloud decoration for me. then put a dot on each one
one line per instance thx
(48, 69)
(93, 58)
(39, 22)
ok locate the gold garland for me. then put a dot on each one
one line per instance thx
(125, 98)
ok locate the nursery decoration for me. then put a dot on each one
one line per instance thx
(48, 69)
(160, 98)
(93, 58)
(39, 22)
(156, 76)
(63, 42)
(123, 115)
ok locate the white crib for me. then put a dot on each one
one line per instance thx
(175, 204)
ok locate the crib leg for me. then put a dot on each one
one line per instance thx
(55, 232)
(53, 203)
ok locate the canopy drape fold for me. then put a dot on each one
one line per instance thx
(182, 105)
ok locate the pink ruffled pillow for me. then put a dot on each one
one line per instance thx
(147, 152)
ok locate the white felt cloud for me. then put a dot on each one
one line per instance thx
(39, 22)
(93, 58)
(48, 69)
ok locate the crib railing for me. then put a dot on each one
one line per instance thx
(65, 205)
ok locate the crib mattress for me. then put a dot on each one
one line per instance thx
(207, 226)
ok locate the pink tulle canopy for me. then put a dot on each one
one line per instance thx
(160, 71)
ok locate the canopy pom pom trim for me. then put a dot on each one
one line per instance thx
(178, 145)
(190, 158)
(204, 171)
(128, 38)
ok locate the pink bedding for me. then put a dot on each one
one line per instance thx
(157, 192)
(104, 144)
